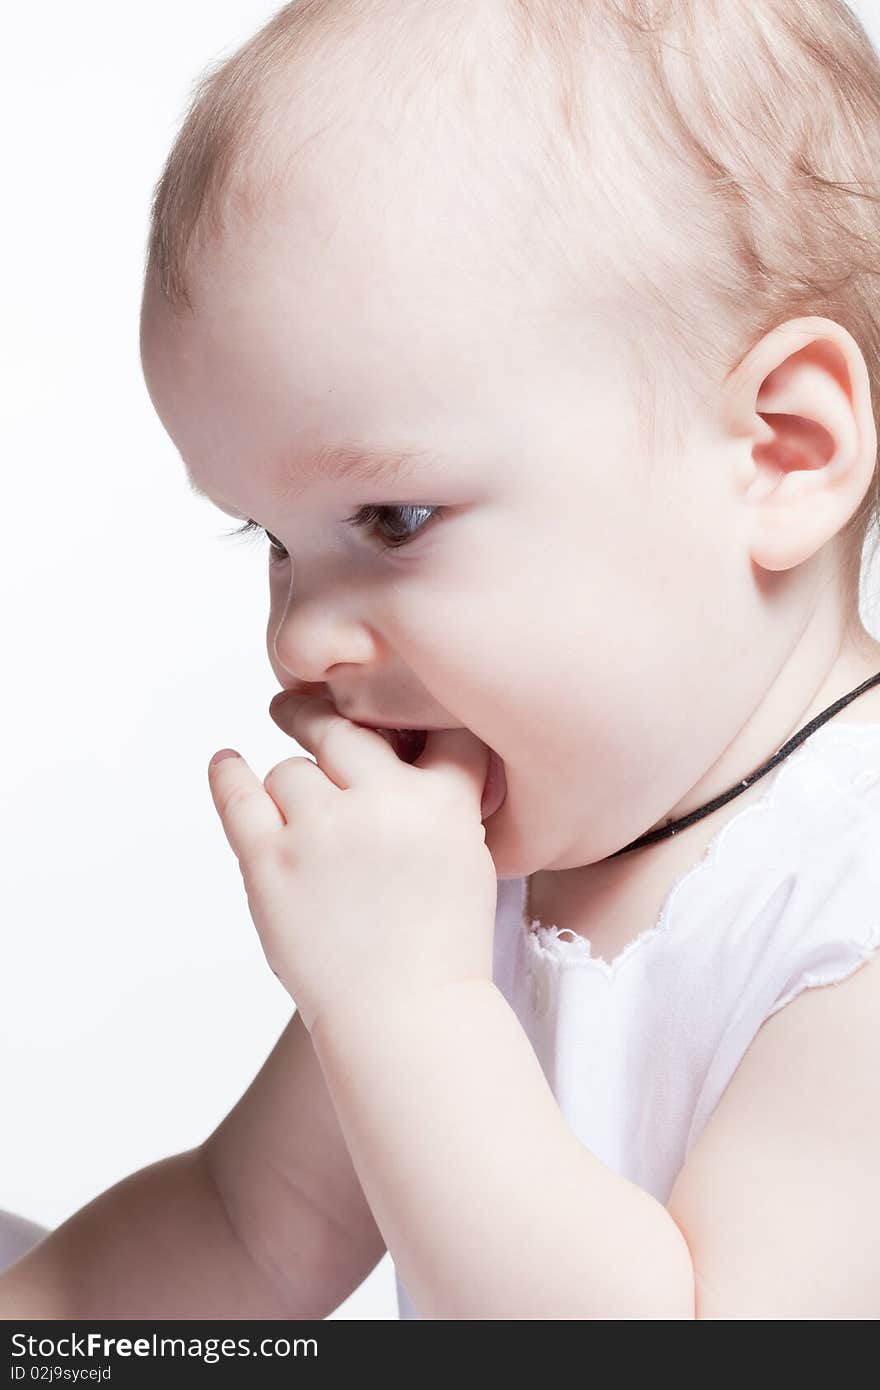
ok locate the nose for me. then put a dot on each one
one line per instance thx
(309, 640)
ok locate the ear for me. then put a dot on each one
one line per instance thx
(803, 395)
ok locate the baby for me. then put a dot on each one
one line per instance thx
(539, 338)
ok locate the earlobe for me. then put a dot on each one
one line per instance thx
(802, 397)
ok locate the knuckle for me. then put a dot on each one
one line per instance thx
(288, 767)
(259, 858)
(445, 794)
(237, 797)
(328, 735)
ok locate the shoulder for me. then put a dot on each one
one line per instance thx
(825, 916)
(777, 1199)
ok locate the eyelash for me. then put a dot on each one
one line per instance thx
(365, 518)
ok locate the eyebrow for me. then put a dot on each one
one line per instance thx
(364, 464)
(358, 463)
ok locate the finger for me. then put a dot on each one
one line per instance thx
(459, 755)
(294, 783)
(343, 750)
(246, 810)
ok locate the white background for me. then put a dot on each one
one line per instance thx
(135, 1002)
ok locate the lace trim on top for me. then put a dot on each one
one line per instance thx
(567, 947)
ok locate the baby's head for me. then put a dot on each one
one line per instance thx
(601, 291)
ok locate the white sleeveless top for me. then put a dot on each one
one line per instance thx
(639, 1051)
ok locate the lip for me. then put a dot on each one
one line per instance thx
(495, 787)
(363, 721)
(393, 724)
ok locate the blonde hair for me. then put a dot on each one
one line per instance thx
(743, 190)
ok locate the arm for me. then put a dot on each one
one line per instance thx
(493, 1209)
(154, 1245)
(266, 1219)
(778, 1198)
(490, 1205)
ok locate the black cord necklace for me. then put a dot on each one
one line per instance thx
(672, 827)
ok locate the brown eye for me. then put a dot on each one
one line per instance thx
(390, 524)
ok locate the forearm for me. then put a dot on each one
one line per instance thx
(156, 1245)
(489, 1204)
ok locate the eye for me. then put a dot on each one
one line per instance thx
(371, 519)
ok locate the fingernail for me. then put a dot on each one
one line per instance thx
(224, 753)
(281, 698)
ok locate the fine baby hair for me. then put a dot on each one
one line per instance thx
(701, 169)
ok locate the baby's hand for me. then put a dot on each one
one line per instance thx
(366, 877)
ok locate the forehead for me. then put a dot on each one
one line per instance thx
(354, 324)
(271, 391)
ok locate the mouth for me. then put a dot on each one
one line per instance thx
(495, 788)
(408, 744)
